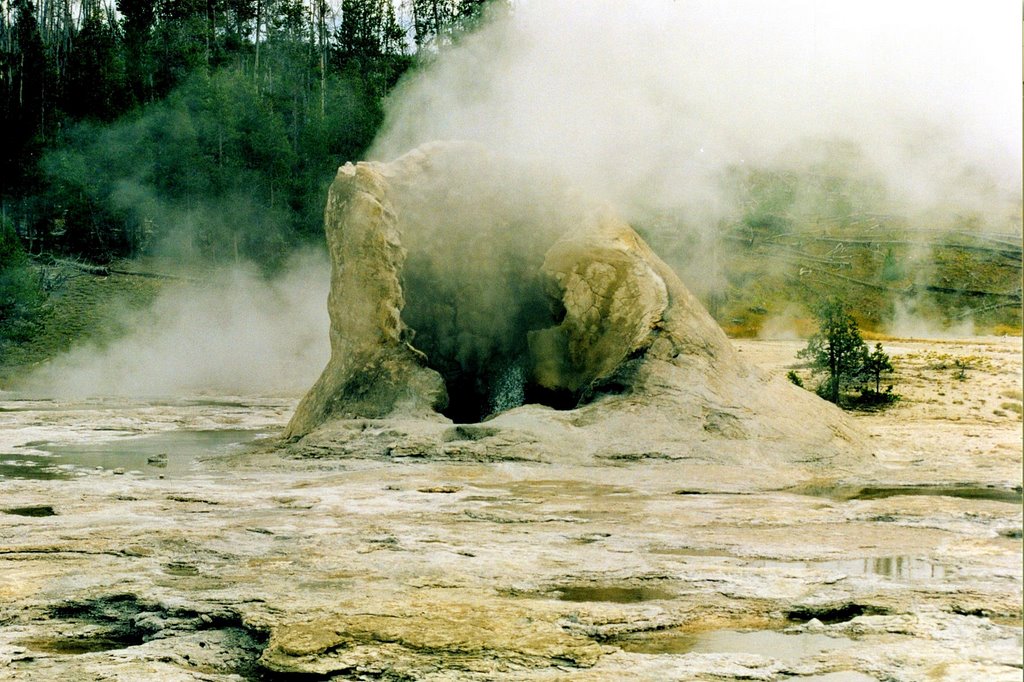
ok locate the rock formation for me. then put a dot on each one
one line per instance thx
(469, 287)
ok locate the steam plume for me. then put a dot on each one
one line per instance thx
(236, 333)
(647, 103)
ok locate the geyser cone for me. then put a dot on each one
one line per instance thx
(467, 286)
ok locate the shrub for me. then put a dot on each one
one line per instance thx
(21, 293)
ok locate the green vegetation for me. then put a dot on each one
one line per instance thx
(179, 133)
(876, 364)
(790, 235)
(81, 307)
(214, 127)
(837, 352)
(210, 132)
(21, 292)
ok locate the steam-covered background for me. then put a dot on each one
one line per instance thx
(650, 103)
(701, 121)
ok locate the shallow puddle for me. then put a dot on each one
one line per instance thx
(894, 567)
(693, 552)
(172, 453)
(553, 488)
(76, 645)
(788, 648)
(1013, 495)
(611, 593)
(31, 467)
(962, 491)
(37, 511)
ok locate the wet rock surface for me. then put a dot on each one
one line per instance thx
(491, 561)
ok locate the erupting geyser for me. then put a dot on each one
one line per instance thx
(466, 286)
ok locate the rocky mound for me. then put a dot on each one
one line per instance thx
(468, 289)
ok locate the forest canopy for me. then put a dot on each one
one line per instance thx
(210, 127)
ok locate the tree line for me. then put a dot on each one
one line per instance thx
(212, 126)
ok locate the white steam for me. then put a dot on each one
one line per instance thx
(909, 322)
(234, 334)
(646, 102)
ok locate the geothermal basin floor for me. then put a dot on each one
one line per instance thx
(173, 540)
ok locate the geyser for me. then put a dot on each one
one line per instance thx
(467, 286)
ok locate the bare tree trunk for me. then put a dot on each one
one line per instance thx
(256, 65)
(322, 43)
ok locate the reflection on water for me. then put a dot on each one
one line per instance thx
(899, 567)
(893, 567)
(34, 467)
(611, 593)
(788, 648)
(171, 453)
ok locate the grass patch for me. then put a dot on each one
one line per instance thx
(80, 308)
(1013, 407)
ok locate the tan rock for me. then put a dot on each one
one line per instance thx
(460, 635)
(372, 370)
(614, 302)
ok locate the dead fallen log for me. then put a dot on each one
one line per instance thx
(105, 270)
(970, 312)
(1012, 253)
(90, 268)
(1014, 297)
(152, 275)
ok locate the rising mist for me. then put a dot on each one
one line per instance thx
(653, 106)
(649, 103)
(235, 333)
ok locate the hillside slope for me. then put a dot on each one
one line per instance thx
(893, 278)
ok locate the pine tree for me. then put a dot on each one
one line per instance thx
(139, 17)
(876, 364)
(432, 20)
(95, 79)
(835, 350)
(26, 84)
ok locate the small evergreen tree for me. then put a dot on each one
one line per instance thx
(876, 364)
(835, 350)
